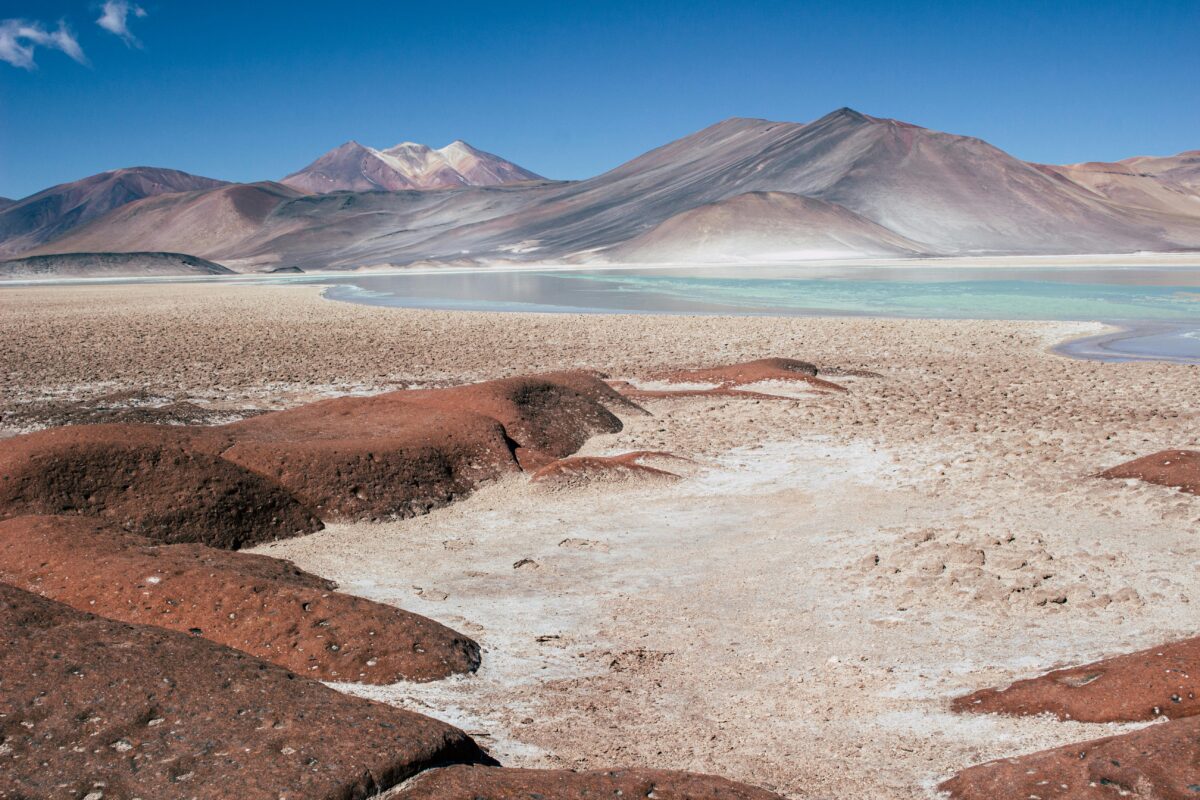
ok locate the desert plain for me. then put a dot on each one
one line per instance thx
(794, 606)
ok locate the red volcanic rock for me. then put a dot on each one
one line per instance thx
(1159, 682)
(158, 481)
(497, 783)
(548, 416)
(95, 707)
(1177, 468)
(1156, 762)
(403, 453)
(576, 470)
(763, 369)
(256, 604)
(632, 392)
(372, 457)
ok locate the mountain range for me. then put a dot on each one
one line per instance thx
(355, 168)
(847, 185)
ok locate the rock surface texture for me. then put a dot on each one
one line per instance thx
(1156, 762)
(495, 783)
(1161, 681)
(760, 370)
(1176, 468)
(259, 605)
(152, 480)
(94, 707)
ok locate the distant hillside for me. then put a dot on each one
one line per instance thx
(953, 195)
(353, 167)
(53, 212)
(845, 184)
(764, 226)
(1182, 169)
(108, 265)
(5, 203)
(1123, 183)
(205, 222)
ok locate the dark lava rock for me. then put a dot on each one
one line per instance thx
(259, 605)
(1158, 762)
(90, 705)
(1176, 468)
(496, 783)
(1159, 682)
(157, 481)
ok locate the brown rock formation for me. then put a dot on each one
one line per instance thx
(577, 470)
(763, 369)
(1159, 682)
(403, 453)
(374, 457)
(391, 455)
(1177, 468)
(496, 783)
(93, 705)
(152, 480)
(628, 390)
(259, 605)
(1156, 762)
(548, 416)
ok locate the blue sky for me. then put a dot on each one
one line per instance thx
(247, 91)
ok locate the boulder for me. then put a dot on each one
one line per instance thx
(1156, 762)
(164, 482)
(263, 606)
(92, 707)
(1179, 469)
(496, 783)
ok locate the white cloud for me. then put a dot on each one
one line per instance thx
(19, 39)
(115, 19)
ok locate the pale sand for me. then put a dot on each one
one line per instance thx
(734, 622)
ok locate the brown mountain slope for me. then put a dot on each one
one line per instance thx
(207, 223)
(51, 213)
(764, 226)
(1183, 168)
(1124, 184)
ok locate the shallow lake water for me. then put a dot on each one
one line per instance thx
(1157, 309)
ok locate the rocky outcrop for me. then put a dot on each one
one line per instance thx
(389, 455)
(259, 605)
(109, 265)
(1158, 682)
(1179, 469)
(404, 453)
(583, 470)
(157, 481)
(495, 783)
(1155, 762)
(547, 416)
(98, 708)
(758, 371)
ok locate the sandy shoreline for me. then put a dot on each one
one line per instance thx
(798, 611)
(1080, 262)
